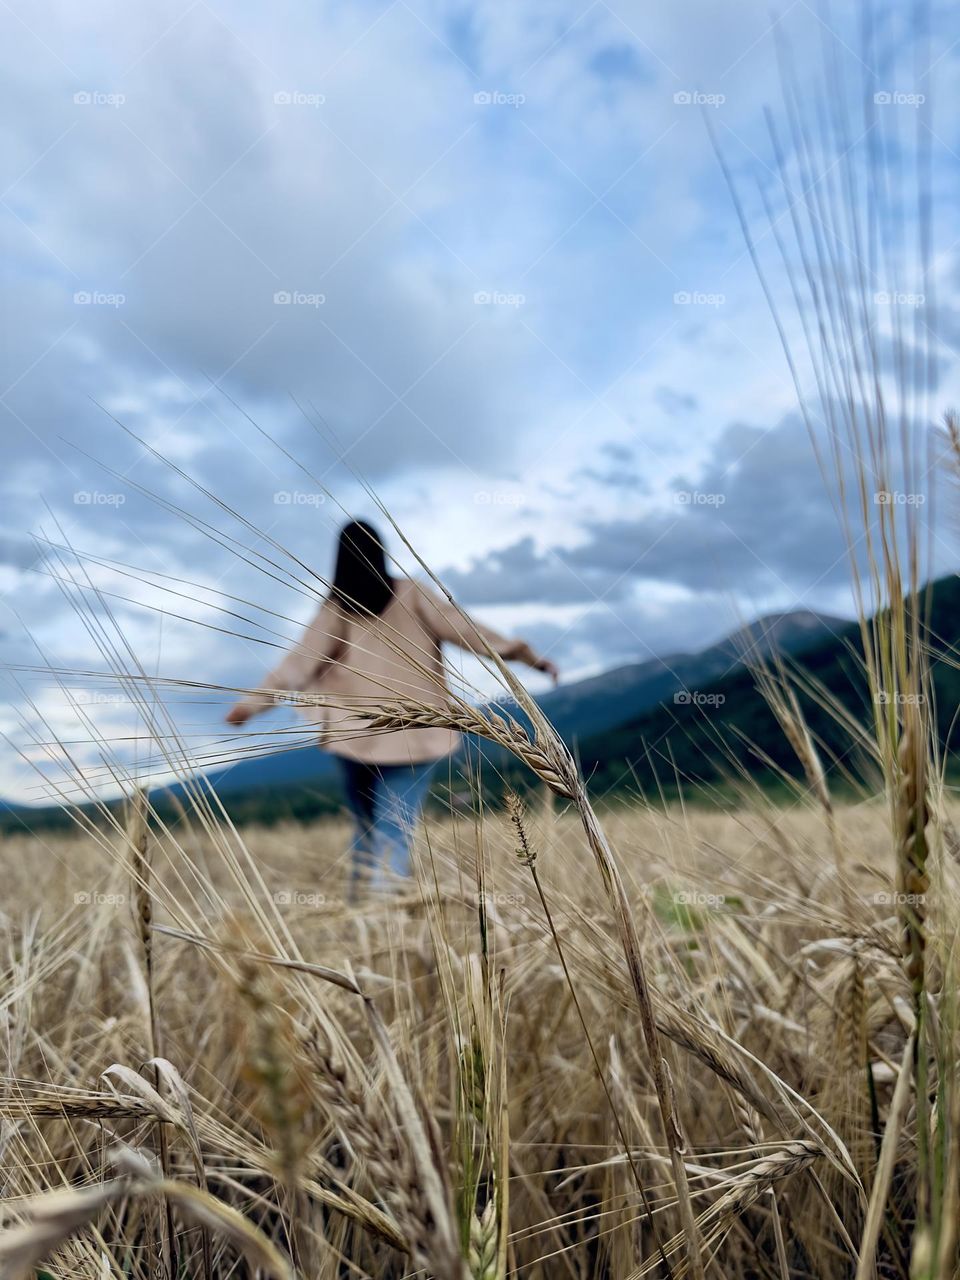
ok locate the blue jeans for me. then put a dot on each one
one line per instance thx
(385, 801)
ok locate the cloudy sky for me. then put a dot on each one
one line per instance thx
(478, 256)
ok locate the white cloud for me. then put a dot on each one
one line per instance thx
(580, 199)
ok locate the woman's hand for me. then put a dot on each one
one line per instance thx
(520, 651)
(548, 668)
(238, 714)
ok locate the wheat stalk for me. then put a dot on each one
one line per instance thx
(743, 1192)
(138, 838)
(384, 1135)
(912, 817)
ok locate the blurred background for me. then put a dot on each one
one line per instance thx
(480, 257)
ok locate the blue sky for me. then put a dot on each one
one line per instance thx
(460, 235)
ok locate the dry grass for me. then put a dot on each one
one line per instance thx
(449, 1068)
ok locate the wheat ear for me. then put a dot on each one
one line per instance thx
(138, 840)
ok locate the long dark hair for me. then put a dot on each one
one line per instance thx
(361, 583)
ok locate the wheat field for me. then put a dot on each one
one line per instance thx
(451, 1079)
(584, 1041)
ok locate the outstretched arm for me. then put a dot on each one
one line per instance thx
(449, 623)
(319, 645)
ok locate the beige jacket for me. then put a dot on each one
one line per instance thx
(364, 662)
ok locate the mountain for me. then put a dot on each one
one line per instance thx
(648, 724)
(302, 783)
(724, 725)
(585, 707)
(781, 632)
(608, 700)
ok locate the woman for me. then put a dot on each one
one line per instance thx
(376, 638)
